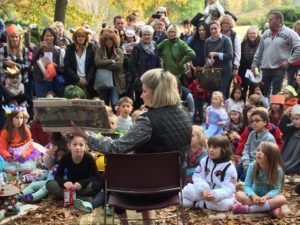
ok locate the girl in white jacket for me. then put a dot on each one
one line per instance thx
(214, 179)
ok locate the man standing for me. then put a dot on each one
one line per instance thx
(278, 47)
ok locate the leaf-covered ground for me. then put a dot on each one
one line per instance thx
(52, 212)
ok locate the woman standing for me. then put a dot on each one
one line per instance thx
(218, 53)
(197, 44)
(143, 58)
(79, 65)
(47, 49)
(164, 128)
(175, 53)
(15, 54)
(110, 56)
(249, 46)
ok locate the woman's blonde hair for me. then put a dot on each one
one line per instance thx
(219, 95)
(201, 136)
(248, 31)
(9, 47)
(227, 19)
(81, 31)
(297, 23)
(164, 86)
(273, 160)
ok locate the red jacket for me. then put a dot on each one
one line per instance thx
(275, 131)
(197, 92)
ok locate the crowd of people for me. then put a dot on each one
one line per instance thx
(246, 130)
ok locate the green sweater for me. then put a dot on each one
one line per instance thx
(174, 60)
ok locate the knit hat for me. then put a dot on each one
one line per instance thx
(73, 91)
(129, 33)
(296, 110)
(11, 29)
(291, 89)
(161, 9)
(277, 99)
(236, 108)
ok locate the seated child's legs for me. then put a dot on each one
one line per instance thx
(55, 189)
(277, 201)
(10, 167)
(241, 197)
(27, 166)
(191, 194)
(221, 206)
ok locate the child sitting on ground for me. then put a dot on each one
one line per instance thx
(216, 116)
(125, 107)
(290, 96)
(259, 120)
(262, 189)
(16, 147)
(214, 178)
(196, 152)
(81, 176)
(291, 135)
(276, 108)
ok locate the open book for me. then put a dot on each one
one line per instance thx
(47, 68)
(56, 114)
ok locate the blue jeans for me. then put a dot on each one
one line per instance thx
(110, 96)
(240, 171)
(226, 80)
(292, 70)
(198, 108)
(272, 78)
(42, 87)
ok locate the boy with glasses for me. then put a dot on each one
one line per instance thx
(259, 120)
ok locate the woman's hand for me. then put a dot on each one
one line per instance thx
(78, 131)
(76, 187)
(69, 186)
(10, 63)
(288, 111)
(43, 45)
(213, 54)
(245, 168)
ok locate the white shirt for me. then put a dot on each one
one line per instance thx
(81, 64)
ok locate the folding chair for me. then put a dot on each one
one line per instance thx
(143, 181)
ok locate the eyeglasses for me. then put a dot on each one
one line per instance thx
(255, 121)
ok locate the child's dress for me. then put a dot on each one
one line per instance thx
(214, 115)
(219, 178)
(15, 149)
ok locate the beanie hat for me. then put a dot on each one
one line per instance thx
(236, 108)
(11, 29)
(296, 110)
(277, 99)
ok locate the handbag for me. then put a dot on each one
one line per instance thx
(209, 78)
(103, 79)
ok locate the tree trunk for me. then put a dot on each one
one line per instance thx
(205, 3)
(60, 10)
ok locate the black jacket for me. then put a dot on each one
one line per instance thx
(70, 65)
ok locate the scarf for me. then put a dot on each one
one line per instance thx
(148, 48)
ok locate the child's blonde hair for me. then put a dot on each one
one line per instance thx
(219, 95)
(255, 100)
(108, 110)
(136, 114)
(201, 136)
(272, 157)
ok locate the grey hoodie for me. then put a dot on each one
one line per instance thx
(284, 46)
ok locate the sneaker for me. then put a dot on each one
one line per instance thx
(27, 198)
(240, 209)
(276, 213)
(83, 206)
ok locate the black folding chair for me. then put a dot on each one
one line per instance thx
(143, 181)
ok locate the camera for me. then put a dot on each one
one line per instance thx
(32, 26)
(156, 16)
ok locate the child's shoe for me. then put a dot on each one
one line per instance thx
(27, 198)
(240, 209)
(83, 206)
(276, 213)
(27, 178)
